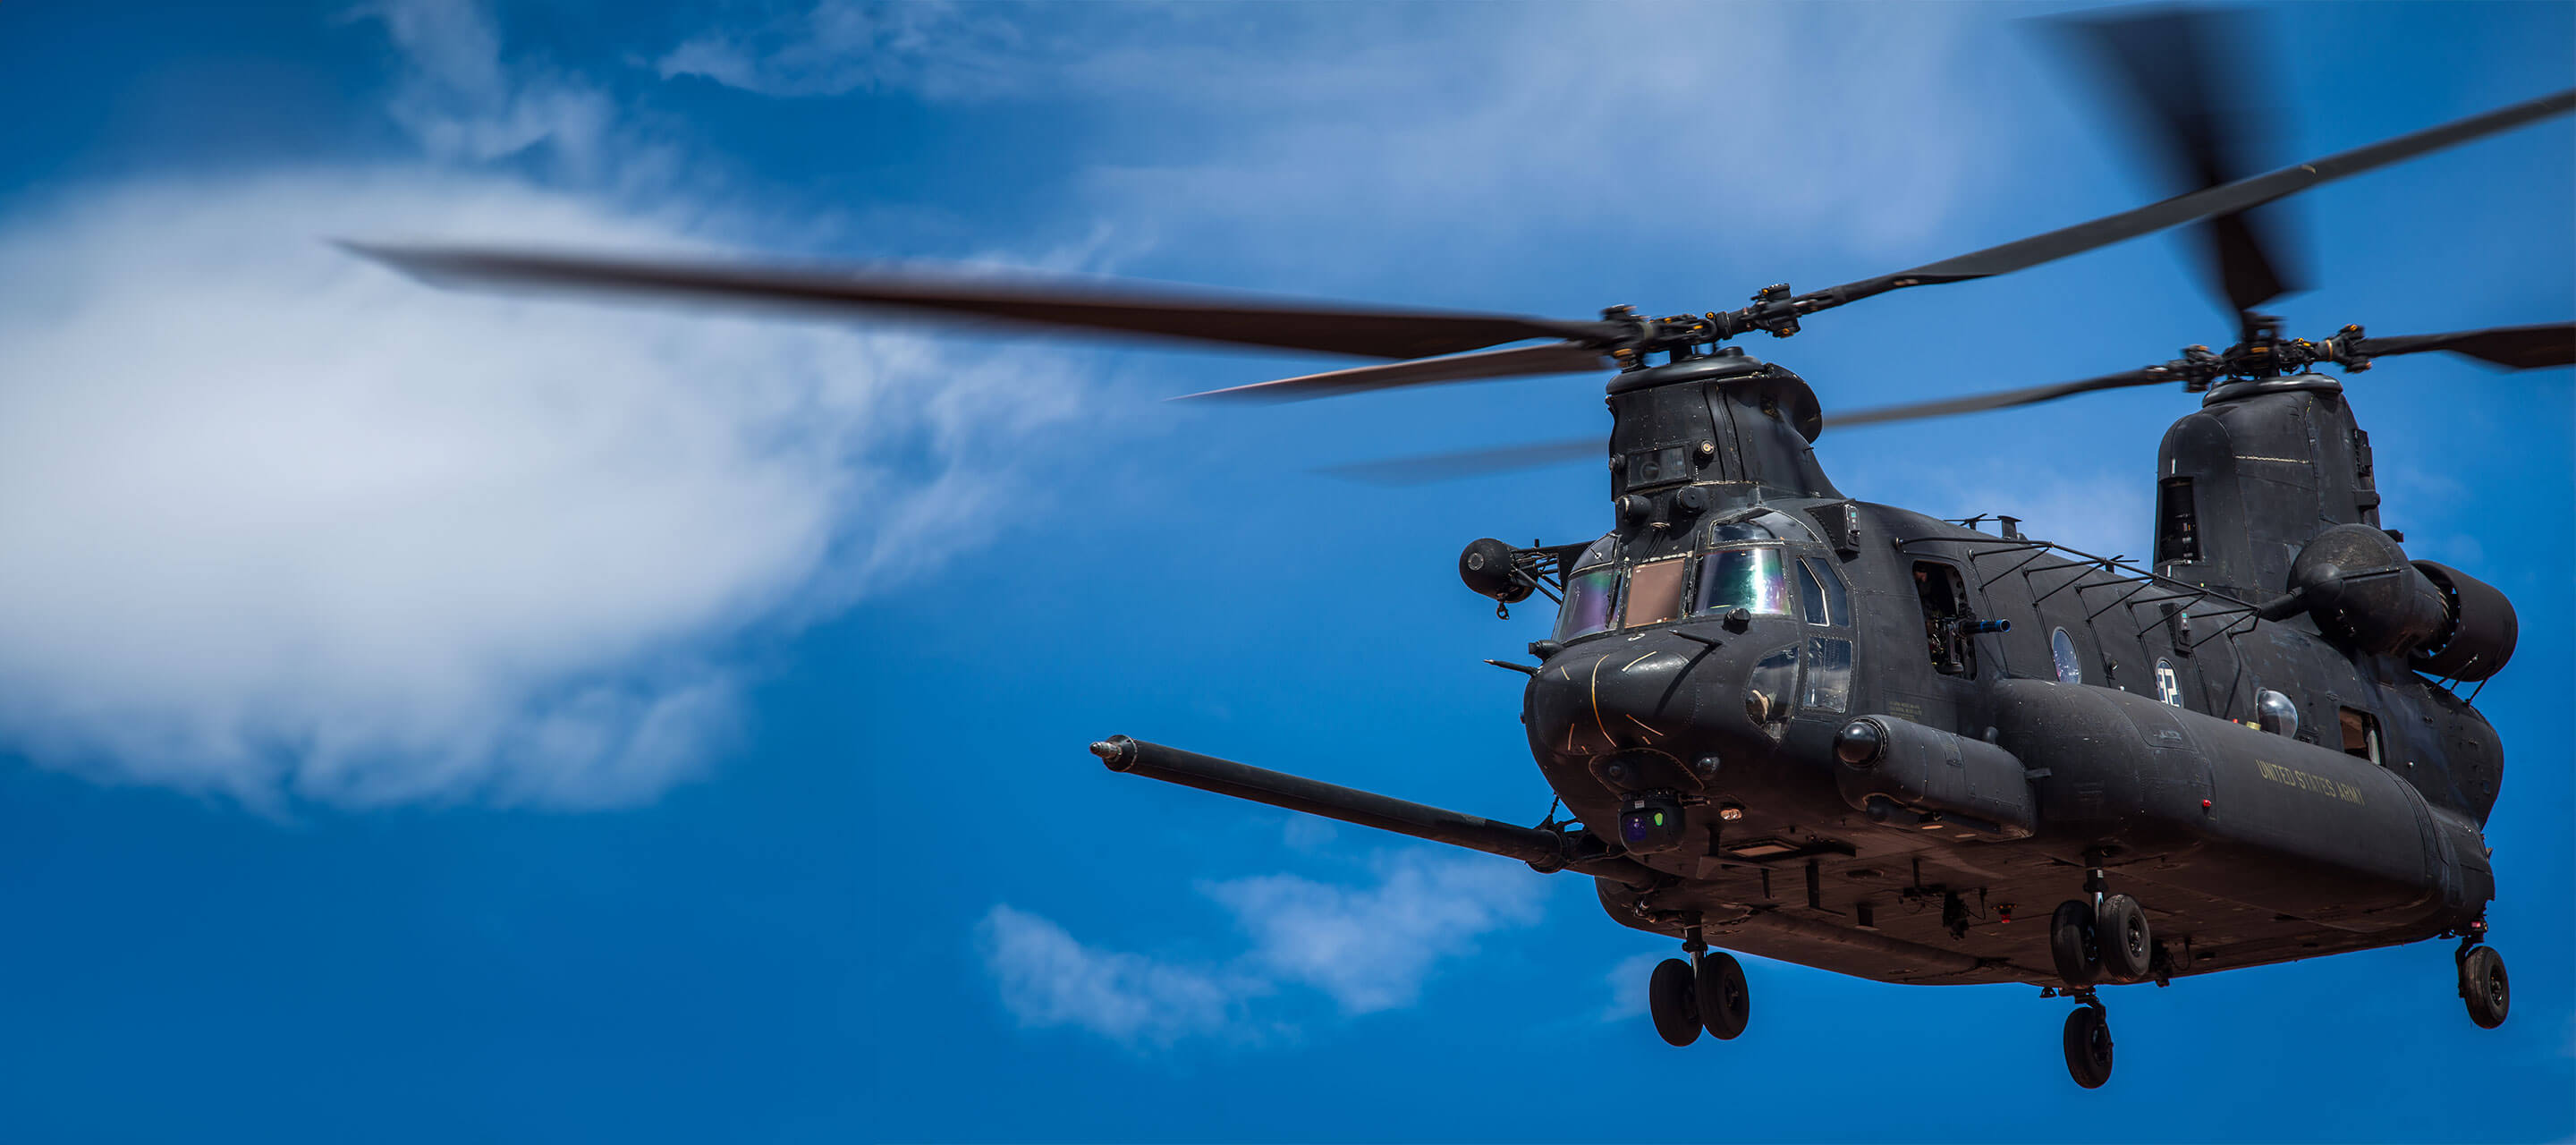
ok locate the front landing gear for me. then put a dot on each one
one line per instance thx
(1705, 993)
(2088, 1044)
(1672, 1001)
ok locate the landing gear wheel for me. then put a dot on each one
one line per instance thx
(1724, 1002)
(2120, 935)
(2088, 1047)
(2070, 942)
(2484, 987)
(1671, 1002)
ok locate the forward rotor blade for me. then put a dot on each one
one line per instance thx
(1091, 305)
(1558, 358)
(1471, 463)
(2224, 199)
(2177, 69)
(2002, 399)
(2513, 347)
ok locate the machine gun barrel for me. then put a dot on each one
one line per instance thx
(1541, 849)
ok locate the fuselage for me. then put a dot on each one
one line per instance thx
(2044, 717)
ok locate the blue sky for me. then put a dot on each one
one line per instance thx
(425, 716)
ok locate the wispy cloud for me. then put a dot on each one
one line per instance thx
(1048, 978)
(459, 98)
(1405, 112)
(1367, 948)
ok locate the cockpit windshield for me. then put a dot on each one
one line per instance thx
(1587, 602)
(1752, 579)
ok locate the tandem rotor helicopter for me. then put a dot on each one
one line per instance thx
(1855, 737)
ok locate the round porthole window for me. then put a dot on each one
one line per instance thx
(2062, 646)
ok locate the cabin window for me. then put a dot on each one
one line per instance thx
(1821, 589)
(1750, 579)
(1587, 603)
(2061, 647)
(1945, 612)
(2177, 521)
(2360, 734)
(1654, 593)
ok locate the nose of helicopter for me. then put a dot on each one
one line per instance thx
(1646, 691)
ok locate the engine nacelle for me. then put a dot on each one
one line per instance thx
(2361, 591)
(2478, 628)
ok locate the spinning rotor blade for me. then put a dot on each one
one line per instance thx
(2004, 399)
(1428, 468)
(2225, 199)
(2513, 347)
(1477, 462)
(1090, 305)
(2178, 72)
(1559, 358)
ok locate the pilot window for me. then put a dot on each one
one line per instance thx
(1587, 602)
(2177, 521)
(2361, 734)
(1945, 613)
(1751, 579)
(1654, 593)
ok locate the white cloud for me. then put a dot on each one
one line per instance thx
(1367, 948)
(1047, 978)
(280, 524)
(276, 521)
(1371, 948)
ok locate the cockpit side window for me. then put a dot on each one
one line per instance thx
(1820, 588)
(1588, 596)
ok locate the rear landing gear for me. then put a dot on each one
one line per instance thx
(2483, 985)
(2088, 1044)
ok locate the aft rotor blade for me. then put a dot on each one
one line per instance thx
(2513, 347)
(2179, 71)
(2224, 199)
(2002, 399)
(1075, 304)
(1560, 358)
(1471, 463)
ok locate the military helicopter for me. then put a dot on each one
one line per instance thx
(1855, 737)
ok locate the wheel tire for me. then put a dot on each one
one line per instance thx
(1670, 1001)
(2128, 950)
(2088, 1047)
(1725, 1003)
(2070, 942)
(2485, 988)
